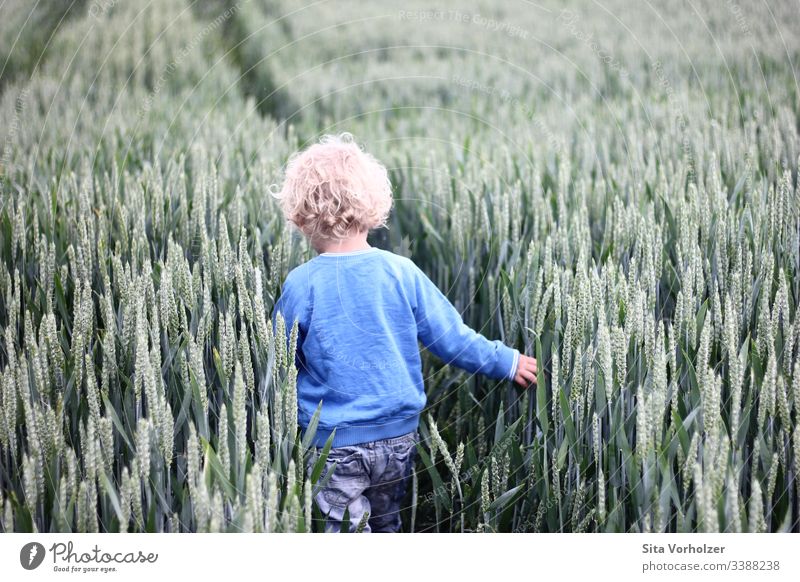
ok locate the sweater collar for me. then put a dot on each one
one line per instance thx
(349, 253)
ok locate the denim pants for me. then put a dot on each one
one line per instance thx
(368, 477)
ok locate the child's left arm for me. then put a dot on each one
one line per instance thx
(442, 330)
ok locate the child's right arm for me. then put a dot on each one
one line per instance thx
(441, 329)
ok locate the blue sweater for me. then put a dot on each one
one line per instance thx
(360, 317)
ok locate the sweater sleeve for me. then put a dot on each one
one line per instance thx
(441, 329)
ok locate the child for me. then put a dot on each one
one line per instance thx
(361, 312)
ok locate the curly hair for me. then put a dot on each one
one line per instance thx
(334, 189)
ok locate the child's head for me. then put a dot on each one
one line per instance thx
(333, 190)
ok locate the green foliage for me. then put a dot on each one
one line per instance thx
(637, 233)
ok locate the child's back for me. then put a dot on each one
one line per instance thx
(360, 316)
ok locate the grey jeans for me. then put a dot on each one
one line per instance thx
(368, 477)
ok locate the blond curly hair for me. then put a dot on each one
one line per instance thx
(334, 189)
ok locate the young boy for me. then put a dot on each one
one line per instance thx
(361, 312)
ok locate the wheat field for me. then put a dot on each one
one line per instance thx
(612, 190)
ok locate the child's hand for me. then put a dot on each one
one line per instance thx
(526, 371)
